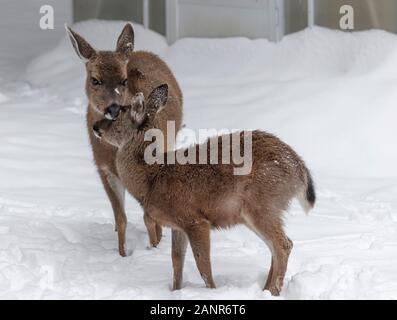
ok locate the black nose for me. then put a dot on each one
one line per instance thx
(112, 112)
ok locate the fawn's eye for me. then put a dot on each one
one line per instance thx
(95, 82)
(124, 82)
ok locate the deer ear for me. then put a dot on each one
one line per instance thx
(125, 42)
(158, 98)
(81, 46)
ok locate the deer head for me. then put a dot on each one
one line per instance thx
(106, 82)
(132, 119)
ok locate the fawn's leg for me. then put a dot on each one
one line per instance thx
(151, 227)
(270, 230)
(282, 247)
(270, 275)
(179, 244)
(116, 192)
(199, 238)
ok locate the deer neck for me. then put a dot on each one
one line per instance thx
(132, 167)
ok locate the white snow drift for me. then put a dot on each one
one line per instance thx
(331, 95)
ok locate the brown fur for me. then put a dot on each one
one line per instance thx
(110, 68)
(193, 198)
(146, 71)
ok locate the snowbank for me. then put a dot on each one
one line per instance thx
(61, 70)
(330, 94)
(316, 52)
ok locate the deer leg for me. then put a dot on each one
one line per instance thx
(199, 238)
(151, 228)
(116, 192)
(179, 244)
(159, 232)
(270, 275)
(272, 233)
(282, 247)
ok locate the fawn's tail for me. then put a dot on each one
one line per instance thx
(308, 197)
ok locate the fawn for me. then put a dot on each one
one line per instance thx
(192, 199)
(109, 80)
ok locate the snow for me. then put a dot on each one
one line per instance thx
(329, 94)
(3, 98)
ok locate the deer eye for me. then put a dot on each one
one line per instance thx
(124, 82)
(95, 82)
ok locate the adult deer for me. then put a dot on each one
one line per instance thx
(110, 77)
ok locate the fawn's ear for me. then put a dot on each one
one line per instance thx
(80, 45)
(158, 98)
(125, 42)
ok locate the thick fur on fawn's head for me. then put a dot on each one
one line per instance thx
(106, 82)
(132, 119)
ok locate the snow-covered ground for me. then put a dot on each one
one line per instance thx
(331, 95)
